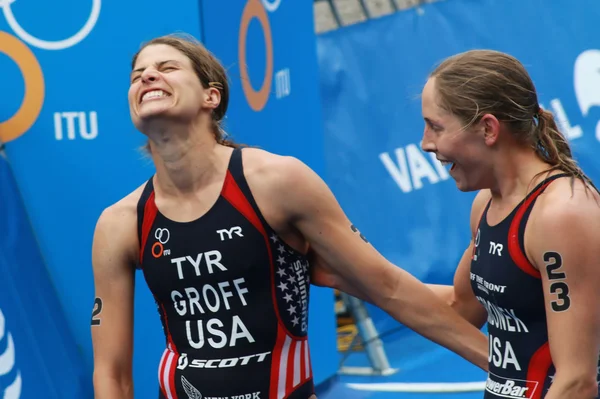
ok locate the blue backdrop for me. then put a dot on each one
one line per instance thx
(371, 78)
(36, 344)
(74, 150)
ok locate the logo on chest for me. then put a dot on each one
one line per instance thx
(162, 237)
(485, 286)
(496, 248)
(227, 234)
(475, 254)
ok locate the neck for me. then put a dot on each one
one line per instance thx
(515, 173)
(186, 159)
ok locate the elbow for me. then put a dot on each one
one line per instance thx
(589, 387)
(472, 311)
(385, 295)
(453, 302)
(109, 381)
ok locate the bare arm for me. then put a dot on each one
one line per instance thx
(460, 295)
(112, 322)
(566, 252)
(315, 212)
(323, 275)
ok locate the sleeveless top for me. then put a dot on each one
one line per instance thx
(232, 298)
(510, 289)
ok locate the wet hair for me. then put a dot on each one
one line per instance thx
(479, 82)
(209, 70)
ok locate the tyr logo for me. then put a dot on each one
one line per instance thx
(229, 232)
(496, 249)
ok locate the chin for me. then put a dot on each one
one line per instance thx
(465, 187)
(156, 114)
(152, 111)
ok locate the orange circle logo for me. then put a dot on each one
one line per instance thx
(256, 99)
(157, 250)
(33, 76)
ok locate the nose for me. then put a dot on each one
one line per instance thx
(149, 75)
(427, 143)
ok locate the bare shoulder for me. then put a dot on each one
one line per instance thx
(123, 211)
(566, 203)
(116, 228)
(276, 168)
(565, 219)
(291, 188)
(277, 175)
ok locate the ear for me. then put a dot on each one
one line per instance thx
(212, 97)
(490, 126)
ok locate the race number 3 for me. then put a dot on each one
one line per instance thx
(558, 286)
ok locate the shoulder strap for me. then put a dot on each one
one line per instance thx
(141, 205)
(516, 235)
(526, 206)
(485, 210)
(236, 169)
(545, 183)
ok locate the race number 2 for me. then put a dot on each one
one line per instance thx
(97, 310)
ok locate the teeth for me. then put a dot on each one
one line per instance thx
(447, 164)
(154, 94)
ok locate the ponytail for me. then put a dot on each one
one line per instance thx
(554, 148)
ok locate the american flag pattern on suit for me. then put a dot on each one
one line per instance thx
(291, 356)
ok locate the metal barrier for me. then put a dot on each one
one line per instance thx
(333, 14)
(369, 335)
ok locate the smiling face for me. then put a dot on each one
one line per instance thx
(479, 107)
(464, 149)
(164, 86)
